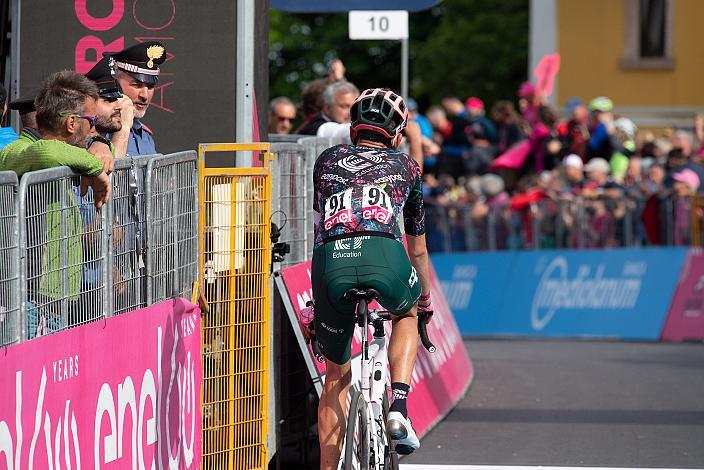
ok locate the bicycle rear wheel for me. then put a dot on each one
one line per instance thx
(390, 456)
(357, 435)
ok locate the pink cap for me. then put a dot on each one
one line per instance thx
(474, 103)
(526, 90)
(689, 177)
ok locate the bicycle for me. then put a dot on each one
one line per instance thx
(367, 444)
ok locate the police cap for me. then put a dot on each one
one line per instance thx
(142, 61)
(25, 103)
(103, 74)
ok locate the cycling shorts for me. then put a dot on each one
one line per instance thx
(375, 262)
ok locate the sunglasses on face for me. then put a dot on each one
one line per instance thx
(90, 119)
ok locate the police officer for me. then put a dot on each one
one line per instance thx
(114, 111)
(137, 74)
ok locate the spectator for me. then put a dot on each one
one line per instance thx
(426, 129)
(683, 140)
(685, 186)
(28, 117)
(475, 115)
(508, 131)
(574, 173)
(575, 132)
(282, 113)
(312, 95)
(137, 74)
(623, 143)
(7, 134)
(601, 128)
(66, 116)
(478, 157)
(598, 181)
(654, 182)
(115, 111)
(453, 106)
(337, 100)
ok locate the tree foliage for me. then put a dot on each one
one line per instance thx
(460, 47)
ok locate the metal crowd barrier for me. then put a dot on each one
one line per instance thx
(72, 265)
(10, 330)
(289, 205)
(128, 234)
(572, 224)
(63, 253)
(171, 183)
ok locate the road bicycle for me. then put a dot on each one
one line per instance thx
(367, 444)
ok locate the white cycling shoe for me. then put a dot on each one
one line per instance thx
(401, 433)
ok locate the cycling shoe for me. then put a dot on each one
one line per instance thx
(401, 433)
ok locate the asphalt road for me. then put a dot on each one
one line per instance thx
(577, 404)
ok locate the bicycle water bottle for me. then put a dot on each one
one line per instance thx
(307, 317)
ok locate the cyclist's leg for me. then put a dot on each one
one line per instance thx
(399, 289)
(334, 326)
(331, 413)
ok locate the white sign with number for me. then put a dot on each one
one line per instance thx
(378, 24)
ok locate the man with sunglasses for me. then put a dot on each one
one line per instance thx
(66, 107)
(282, 113)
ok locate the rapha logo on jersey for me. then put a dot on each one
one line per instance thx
(361, 161)
(557, 292)
(349, 248)
(414, 277)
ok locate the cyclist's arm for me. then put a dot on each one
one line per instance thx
(414, 225)
(418, 255)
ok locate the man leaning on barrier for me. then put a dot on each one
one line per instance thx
(66, 117)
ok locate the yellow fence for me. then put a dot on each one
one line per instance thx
(234, 267)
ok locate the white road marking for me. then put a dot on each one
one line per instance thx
(518, 467)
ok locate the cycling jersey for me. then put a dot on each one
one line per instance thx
(359, 190)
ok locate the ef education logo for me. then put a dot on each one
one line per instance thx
(556, 292)
(359, 162)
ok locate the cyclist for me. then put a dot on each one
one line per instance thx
(364, 194)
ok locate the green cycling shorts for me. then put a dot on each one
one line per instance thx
(375, 262)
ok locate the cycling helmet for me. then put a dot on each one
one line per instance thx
(379, 110)
(601, 103)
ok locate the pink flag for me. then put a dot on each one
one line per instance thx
(545, 73)
(514, 157)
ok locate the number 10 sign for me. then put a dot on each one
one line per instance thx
(378, 24)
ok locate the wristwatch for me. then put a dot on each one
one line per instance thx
(97, 138)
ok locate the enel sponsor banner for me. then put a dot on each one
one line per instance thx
(685, 320)
(123, 392)
(439, 379)
(618, 293)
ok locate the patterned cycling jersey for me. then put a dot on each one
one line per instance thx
(364, 189)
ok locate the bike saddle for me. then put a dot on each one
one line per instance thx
(357, 294)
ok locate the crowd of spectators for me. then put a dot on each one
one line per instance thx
(527, 176)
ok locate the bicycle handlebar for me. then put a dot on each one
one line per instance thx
(423, 331)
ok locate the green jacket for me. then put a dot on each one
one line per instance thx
(55, 216)
(44, 154)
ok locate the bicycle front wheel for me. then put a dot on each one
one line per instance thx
(357, 435)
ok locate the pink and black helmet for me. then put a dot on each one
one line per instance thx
(379, 110)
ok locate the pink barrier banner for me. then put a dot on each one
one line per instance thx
(118, 393)
(685, 321)
(439, 379)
